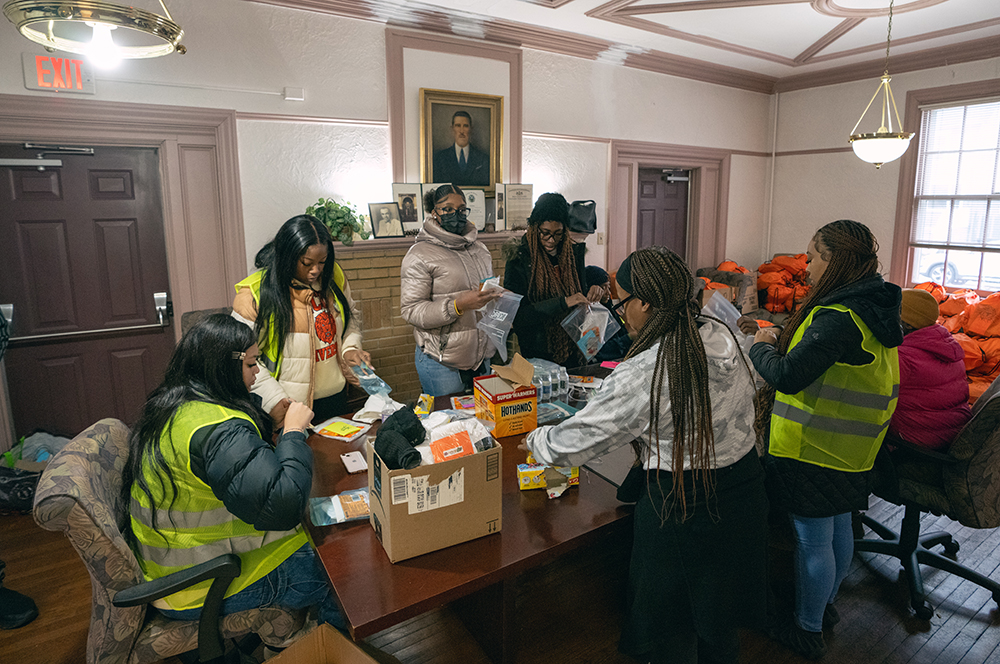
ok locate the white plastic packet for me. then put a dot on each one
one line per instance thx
(721, 308)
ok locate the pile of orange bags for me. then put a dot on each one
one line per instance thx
(975, 325)
(784, 279)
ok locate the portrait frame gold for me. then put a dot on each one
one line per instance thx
(437, 109)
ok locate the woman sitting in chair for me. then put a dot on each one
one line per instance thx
(202, 480)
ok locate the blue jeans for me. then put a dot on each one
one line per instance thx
(822, 560)
(438, 380)
(298, 583)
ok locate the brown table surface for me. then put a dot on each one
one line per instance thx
(376, 594)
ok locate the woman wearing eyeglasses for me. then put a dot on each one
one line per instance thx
(439, 295)
(547, 268)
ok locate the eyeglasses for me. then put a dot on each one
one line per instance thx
(545, 235)
(620, 307)
(462, 211)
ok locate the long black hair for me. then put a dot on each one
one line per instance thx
(206, 366)
(280, 258)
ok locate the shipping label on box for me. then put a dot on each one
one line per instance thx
(431, 507)
(513, 410)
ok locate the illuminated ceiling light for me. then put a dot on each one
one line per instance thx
(103, 52)
(883, 145)
(51, 23)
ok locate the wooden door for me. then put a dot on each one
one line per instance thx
(81, 254)
(663, 207)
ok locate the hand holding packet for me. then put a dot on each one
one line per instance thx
(590, 326)
(498, 318)
(370, 382)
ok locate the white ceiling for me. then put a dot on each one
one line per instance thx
(770, 38)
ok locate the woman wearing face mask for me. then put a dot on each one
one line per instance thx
(299, 304)
(547, 268)
(440, 294)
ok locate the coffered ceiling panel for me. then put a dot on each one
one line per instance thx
(756, 44)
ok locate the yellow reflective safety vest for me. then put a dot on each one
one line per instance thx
(839, 420)
(269, 355)
(198, 527)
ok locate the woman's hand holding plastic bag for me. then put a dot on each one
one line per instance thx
(497, 319)
(590, 326)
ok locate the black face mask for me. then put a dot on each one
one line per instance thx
(454, 222)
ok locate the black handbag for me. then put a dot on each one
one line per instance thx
(582, 217)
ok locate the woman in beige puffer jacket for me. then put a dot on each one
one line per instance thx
(439, 295)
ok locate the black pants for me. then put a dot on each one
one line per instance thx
(332, 406)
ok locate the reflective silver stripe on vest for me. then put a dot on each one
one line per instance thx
(215, 517)
(851, 397)
(198, 554)
(269, 364)
(824, 423)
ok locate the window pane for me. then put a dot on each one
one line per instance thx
(975, 175)
(931, 224)
(968, 223)
(991, 272)
(993, 225)
(944, 129)
(962, 269)
(928, 265)
(940, 174)
(982, 127)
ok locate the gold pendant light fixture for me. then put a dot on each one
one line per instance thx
(883, 145)
(57, 25)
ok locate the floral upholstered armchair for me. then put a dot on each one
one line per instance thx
(79, 494)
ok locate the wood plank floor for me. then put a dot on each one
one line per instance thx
(571, 610)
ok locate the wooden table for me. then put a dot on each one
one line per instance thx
(477, 576)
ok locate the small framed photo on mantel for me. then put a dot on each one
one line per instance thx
(411, 210)
(385, 219)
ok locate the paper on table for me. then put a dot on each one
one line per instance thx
(340, 428)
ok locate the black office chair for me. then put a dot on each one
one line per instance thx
(962, 484)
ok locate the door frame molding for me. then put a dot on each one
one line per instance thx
(708, 201)
(199, 177)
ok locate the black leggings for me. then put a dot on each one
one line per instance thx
(331, 406)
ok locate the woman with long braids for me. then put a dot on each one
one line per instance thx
(683, 398)
(299, 304)
(832, 379)
(547, 268)
(440, 294)
(203, 479)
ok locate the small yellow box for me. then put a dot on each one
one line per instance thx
(532, 475)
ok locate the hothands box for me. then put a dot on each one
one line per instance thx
(508, 399)
(431, 507)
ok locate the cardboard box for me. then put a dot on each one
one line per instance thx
(707, 293)
(431, 507)
(325, 645)
(508, 399)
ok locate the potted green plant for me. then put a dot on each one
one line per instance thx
(342, 220)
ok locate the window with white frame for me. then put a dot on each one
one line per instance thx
(955, 232)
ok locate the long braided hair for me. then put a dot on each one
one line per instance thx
(547, 280)
(851, 252)
(660, 278)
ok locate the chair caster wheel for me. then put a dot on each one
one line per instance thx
(951, 548)
(924, 611)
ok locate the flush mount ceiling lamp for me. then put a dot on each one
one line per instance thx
(56, 25)
(884, 144)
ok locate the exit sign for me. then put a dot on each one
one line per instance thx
(58, 72)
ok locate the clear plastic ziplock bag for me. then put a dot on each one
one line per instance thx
(590, 326)
(370, 382)
(721, 308)
(497, 318)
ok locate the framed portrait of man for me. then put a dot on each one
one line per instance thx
(408, 197)
(461, 138)
(385, 219)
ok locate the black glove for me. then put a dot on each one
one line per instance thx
(395, 451)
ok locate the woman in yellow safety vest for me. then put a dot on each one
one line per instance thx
(202, 479)
(833, 378)
(299, 304)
